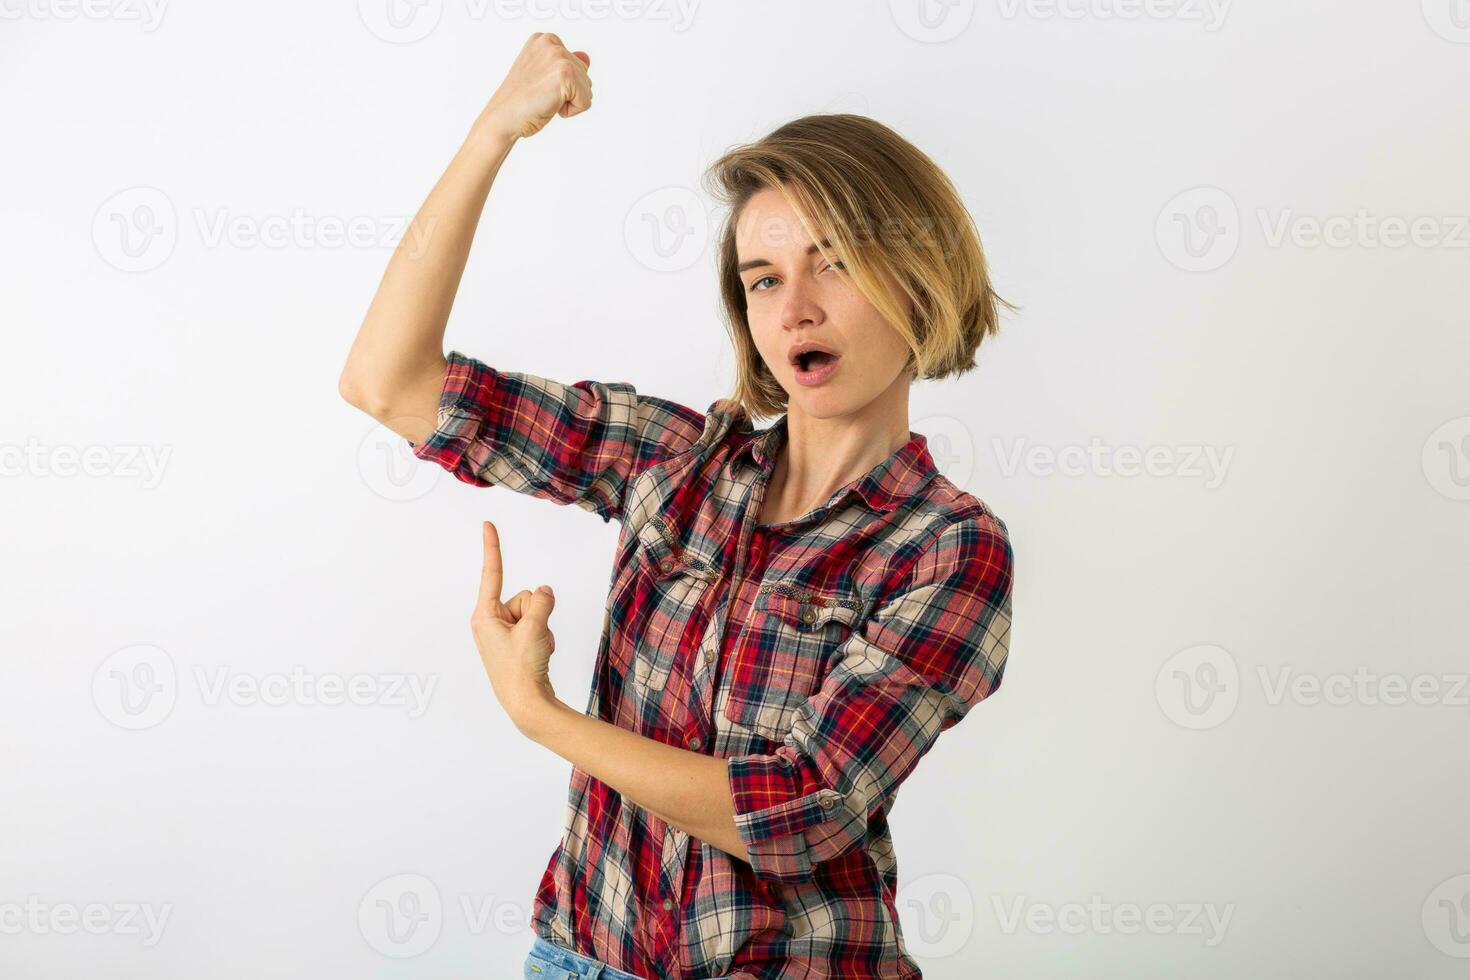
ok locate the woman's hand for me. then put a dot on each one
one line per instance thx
(515, 641)
(546, 80)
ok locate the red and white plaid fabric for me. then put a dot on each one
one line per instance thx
(821, 658)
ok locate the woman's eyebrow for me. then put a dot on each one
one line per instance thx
(810, 249)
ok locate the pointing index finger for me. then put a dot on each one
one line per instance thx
(491, 572)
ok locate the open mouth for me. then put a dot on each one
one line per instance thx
(814, 360)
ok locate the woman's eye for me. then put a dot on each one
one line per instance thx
(756, 284)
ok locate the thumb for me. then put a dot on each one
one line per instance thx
(586, 58)
(538, 606)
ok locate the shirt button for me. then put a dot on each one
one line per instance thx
(808, 616)
(709, 656)
(668, 904)
(666, 566)
(695, 741)
(828, 803)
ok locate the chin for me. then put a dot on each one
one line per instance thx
(821, 403)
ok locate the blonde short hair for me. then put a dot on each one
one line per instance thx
(897, 223)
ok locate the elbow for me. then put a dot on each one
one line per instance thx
(356, 392)
(349, 388)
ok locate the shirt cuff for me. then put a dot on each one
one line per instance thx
(787, 821)
(466, 402)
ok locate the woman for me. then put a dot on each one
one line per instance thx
(796, 612)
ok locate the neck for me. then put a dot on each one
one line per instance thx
(819, 455)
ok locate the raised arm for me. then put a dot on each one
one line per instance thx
(396, 367)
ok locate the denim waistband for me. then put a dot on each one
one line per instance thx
(574, 966)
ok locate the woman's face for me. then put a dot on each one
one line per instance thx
(793, 296)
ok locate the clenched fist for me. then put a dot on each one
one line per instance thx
(546, 80)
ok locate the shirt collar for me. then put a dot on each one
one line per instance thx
(901, 476)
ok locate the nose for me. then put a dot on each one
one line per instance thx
(800, 307)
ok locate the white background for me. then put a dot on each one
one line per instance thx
(1141, 752)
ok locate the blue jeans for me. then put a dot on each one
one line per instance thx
(548, 961)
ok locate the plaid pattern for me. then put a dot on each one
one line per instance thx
(821, 658)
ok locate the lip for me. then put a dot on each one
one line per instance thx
(817, 376)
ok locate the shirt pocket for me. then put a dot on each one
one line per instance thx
(781, 657)
(670, 584)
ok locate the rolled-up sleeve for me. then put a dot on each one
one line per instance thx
(927, 654)
(578, 443)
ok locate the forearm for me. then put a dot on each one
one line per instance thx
(401, 341)
(687, 789)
